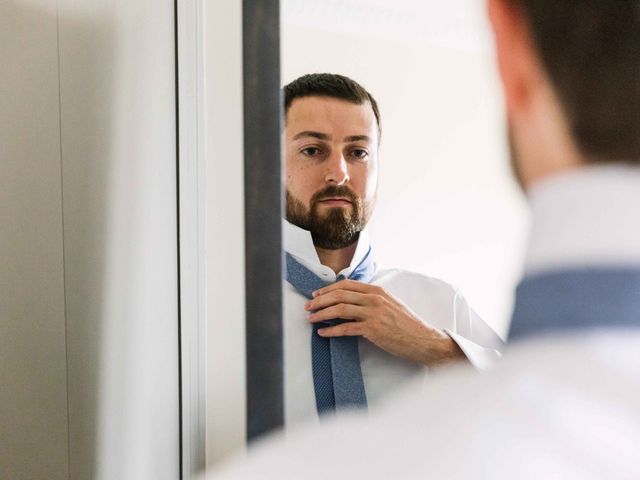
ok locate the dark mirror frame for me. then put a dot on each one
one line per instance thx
(263, 215)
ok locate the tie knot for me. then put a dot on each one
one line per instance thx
(340, 277)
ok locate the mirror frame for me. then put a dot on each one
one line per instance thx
(263, 216)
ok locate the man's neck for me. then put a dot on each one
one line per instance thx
(338, 259)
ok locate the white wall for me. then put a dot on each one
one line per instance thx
(33, 378)
(89, 154)
(119, 168)
(224, 158)
(447, 205)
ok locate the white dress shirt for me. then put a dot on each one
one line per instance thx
(434, 301)
(585, 217)
(553, 408)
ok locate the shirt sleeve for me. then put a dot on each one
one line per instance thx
(477, 340)
(442, 306)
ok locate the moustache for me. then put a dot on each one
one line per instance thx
(335, 191)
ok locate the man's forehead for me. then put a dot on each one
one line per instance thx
(327, 114)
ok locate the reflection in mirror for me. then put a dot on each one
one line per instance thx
(393, 156)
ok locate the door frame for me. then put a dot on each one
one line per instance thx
(253, 42)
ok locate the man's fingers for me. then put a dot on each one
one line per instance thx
(342, 310)
(351, 285)
(335, 297)
(348, 329)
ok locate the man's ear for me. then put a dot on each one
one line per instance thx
(517, 61)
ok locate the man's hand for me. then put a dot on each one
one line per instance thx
(379, 317)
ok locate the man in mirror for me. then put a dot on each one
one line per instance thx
(353, 332)
(559, 406)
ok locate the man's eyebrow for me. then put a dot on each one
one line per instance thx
(309, 133)
(357, 138)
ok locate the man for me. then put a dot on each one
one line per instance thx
(394, 324)
(554, 407)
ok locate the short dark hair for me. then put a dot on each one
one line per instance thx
(329, 85)
(591, 52)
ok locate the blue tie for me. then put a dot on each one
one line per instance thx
(337, 376)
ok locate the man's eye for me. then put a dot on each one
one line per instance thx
(311, 151)
(359, 153)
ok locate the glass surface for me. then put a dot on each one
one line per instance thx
(447, 206)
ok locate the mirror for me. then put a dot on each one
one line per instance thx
(445, 230)
(448, 220)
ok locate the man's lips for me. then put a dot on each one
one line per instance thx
(334, 201)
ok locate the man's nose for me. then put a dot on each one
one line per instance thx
(337, 170)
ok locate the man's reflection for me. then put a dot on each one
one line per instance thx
(353, 332)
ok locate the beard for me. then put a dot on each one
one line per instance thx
(339, 227)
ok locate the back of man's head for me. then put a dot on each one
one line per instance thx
(591, 51)
(329, 85)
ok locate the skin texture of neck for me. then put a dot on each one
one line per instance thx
(338, 259)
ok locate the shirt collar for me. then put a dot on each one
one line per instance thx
(586, 217)
(298, 242)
